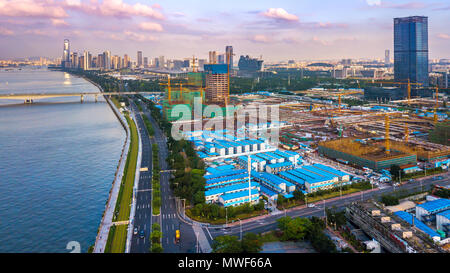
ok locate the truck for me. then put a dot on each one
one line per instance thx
(177, 236)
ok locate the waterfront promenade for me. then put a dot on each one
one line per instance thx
(105, 225)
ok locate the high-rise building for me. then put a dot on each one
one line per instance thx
(100, 61)
(213, 57)
(221, 58)
(74, 60)
(216, 83)
(229, 56)
(126, 61)
(161, 62)
(66, 55)
(411, 49)
(86, 64)
(248, 67)
(116, 62)
(139, 59)
(387, 56)
(107, 59)
(145, 62)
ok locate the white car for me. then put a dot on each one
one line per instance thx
(311, 206)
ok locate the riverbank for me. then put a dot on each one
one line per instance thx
(114, 227)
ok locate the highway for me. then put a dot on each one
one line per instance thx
(269, 223)
(142, 219)
(168, 218)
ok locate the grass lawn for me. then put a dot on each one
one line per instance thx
(331, 195)
(118, 239)
(118, 234)
(123, 204)
(222, 221)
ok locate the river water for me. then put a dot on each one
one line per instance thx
(58, 158)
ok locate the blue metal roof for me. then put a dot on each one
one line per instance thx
(445, 214)
(226, 178)
(282, 164)
(330, 170)
(267, 191)
(234, 187)
(292, 178)
(239, 194)
(273, 179)
(407, 217)
(283, 154)
(224, 173)
(225, 167)
(436, 205)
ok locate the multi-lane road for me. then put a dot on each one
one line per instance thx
(143, 215)
(168, 218)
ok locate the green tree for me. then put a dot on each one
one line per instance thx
(298, 195)
(294, 229)
(226, 244)
(156, 248)
(251, 243)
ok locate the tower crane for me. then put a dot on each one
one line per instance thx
(347, 93)
(168, 87)
(409, 83)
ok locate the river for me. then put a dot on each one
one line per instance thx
(58, 158)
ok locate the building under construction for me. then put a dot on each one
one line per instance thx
(393, 233)
(365, 154)
(210, 88)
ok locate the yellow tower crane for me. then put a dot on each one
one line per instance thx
(194, 68)
(409, 83)
(436, 105)
(228, 76)
(347, 93)
(406, 132)
(168, 88)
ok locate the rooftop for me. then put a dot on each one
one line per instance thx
(436, 205)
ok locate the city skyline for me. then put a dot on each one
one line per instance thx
(278, 31)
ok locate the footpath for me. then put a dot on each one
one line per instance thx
(105, 225)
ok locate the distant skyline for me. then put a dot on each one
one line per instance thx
(277, 30)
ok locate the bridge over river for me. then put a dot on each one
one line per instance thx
(31, 97)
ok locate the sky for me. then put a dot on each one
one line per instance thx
(276, 30)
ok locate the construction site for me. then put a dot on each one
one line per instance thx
(376, 136)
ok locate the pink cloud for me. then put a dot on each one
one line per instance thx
(260, 38)
(115, 8)
(280, 14)
(31, 8)
(6, 32)
(38, 32)
(150, 26)
(59, 22)
(444, 36)
(138, 37)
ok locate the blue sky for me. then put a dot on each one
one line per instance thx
(277, 30)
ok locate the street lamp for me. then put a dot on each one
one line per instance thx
(226, 216)
(196, 235)
(240, 224)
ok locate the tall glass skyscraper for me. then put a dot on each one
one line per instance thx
(229, 56)
(411, 49)
(66, 54)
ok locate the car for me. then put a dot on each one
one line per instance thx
(142, 234)
(135, 231)
(311, 206)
